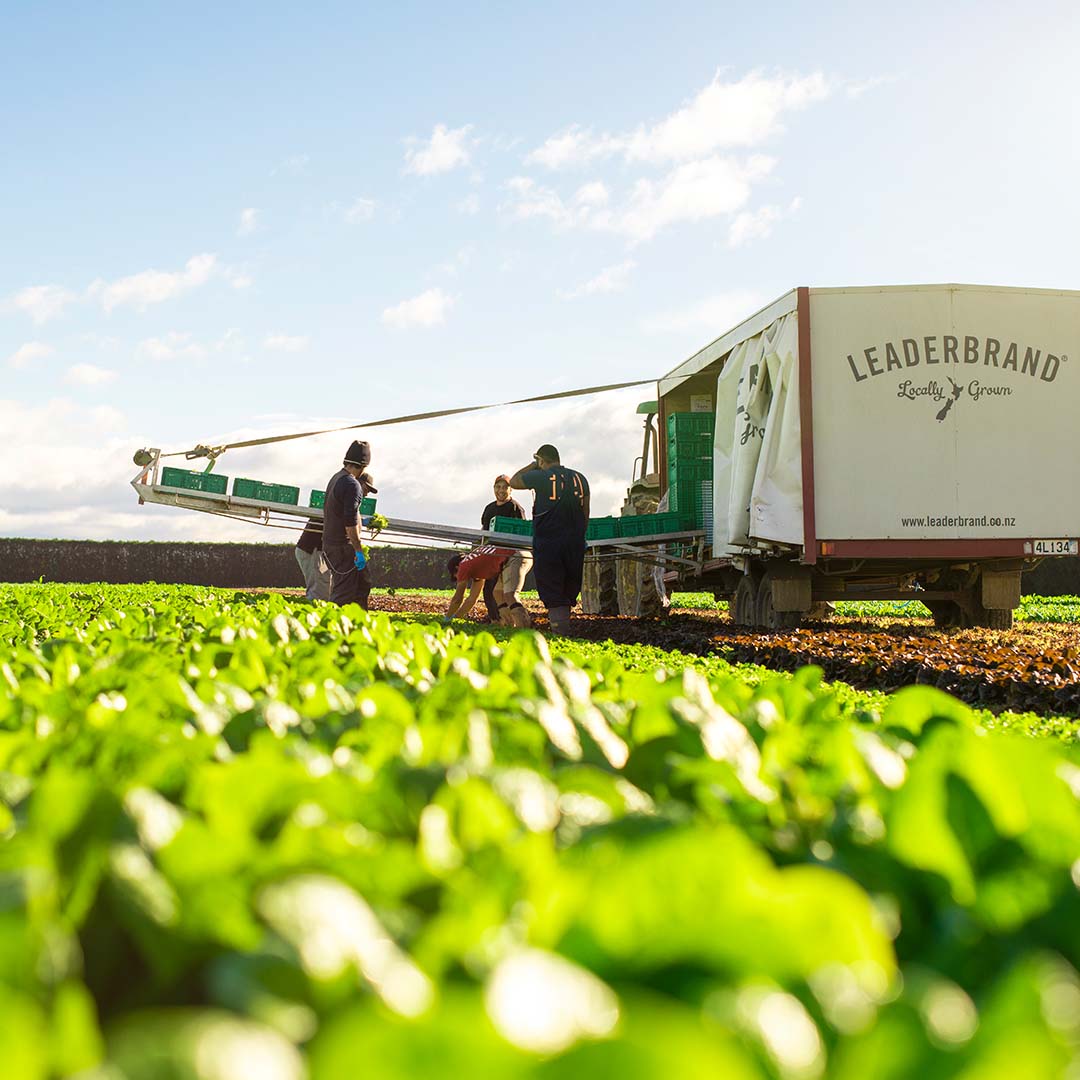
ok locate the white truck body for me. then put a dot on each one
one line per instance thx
(864, 421)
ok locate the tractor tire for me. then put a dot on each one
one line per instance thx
(636, 588)
(990, 618)
(599, 594)
(768, 618)
(744, 603)
(947, 613)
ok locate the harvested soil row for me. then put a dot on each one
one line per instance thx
(1034, 666)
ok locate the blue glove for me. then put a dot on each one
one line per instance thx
(361, 562)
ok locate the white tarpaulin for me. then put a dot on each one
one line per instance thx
(757, 454)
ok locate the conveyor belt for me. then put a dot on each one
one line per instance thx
(283, 515)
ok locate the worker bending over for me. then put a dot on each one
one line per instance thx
(469, 572)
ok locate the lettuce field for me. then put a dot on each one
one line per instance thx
(242, 836)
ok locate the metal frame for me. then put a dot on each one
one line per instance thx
(285, 516)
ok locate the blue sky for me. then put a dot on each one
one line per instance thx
(231, 220)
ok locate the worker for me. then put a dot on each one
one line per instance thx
(560, 517)
(312, 561)
(503, 506)
(350, 578)
(473, 569)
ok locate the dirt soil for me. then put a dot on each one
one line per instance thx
(1034, 666)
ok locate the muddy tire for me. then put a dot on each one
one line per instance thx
(767, 616)
(947, 613)
(990, 618)
(599, 594)
(636, 588)
(744, 603)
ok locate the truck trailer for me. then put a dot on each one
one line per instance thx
(901, 442)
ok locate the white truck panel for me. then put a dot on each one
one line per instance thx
(757, 461)
(945, 412)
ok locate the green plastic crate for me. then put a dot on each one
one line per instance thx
(282, 494)
(690, 435)
(652, 524)
(602, 528)
(214, 483)
(512, 525)
(689, 423)
(318, 499)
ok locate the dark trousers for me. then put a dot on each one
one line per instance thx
(347, 584)
(489, 598)
(558, 564)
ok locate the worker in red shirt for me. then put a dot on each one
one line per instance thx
(473, 569)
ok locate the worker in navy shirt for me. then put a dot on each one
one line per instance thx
(560, 517)
(349, 584)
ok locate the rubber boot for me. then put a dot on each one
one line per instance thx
(559, 618)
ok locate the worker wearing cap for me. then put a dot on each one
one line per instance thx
(503, 506)
(560, 517)
(350, 579)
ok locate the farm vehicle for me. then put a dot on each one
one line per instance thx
(909, 442)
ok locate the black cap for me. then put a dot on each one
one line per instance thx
(367, 483)
(547, 452)
(359, 454)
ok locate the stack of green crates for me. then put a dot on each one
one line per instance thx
(690, 466)
(318, 500)
(512, 525)
(690, 435)
(690, 489)
(194, 481)
(602, 528)
(283, 494)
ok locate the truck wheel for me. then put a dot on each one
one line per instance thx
(991, 618)
(636, 590)
(767, 616)
(947, 614)
(598, 593)
(996, 618)
(743, 607)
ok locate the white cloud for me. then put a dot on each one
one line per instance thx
(758, 224)
(285, 343)
(427, 309)
(88, 375)
(470, 204)
(723, 115)
(249, 221)
(611, 279)
(154, 286)
(692, 192)
(172, 346)
(445, 150)
(43, 302)
(26, 354)
(715, 314)
(533, 200)
(361, 210)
